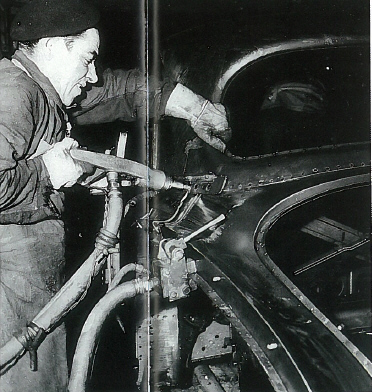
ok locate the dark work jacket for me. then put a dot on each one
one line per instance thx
(32, 117)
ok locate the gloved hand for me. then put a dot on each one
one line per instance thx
(207, 119)
(212, 126)
(62, 168)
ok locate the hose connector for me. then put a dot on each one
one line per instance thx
(144, 286)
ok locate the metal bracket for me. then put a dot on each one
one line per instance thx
(206, 184)
(175, 270)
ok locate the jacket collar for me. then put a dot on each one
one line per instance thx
(37, 76)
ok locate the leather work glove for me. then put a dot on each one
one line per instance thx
(62, 168)
(207, 119)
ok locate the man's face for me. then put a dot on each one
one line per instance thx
(72, 66)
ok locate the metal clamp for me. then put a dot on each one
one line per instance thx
(31, 338)
(175, 268)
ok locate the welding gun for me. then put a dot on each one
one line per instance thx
(154, 179)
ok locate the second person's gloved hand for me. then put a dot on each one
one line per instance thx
(63, 170)
(208, 119)
(211, 125)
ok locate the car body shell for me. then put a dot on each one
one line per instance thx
(295, 342)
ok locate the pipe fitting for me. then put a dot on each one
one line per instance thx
(143, 286)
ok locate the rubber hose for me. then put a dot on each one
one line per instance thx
(9, 352)
(86, 345)
(60, 304)
(75, 287)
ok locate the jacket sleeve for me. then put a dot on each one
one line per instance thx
(123, 95)
(23, 182)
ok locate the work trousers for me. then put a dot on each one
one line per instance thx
(31, 263)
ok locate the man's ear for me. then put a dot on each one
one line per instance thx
(52, 46)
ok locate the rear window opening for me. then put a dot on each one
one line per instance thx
(300, 100)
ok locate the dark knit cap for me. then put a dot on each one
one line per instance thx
(53, 18)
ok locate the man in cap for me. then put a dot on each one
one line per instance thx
(57, 45)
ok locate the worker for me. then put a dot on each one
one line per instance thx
(58, 42)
